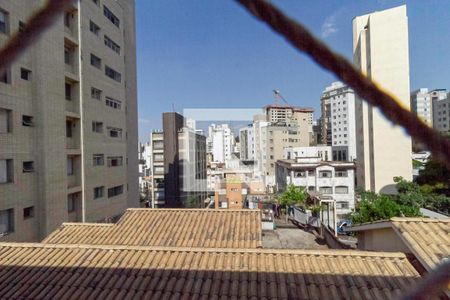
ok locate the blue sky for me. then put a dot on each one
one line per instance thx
(213, 54)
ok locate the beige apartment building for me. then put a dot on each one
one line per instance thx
(68, 119)
(380, 50)
(288, 126)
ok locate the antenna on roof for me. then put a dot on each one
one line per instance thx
(278, 96)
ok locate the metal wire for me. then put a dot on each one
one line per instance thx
(432, 285)
(34, 28)
(299, 37)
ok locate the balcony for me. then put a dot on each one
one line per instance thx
(72, 133)
(74, 173)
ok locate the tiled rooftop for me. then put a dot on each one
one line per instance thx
(169, 227)
(428, 239)
(35, 271)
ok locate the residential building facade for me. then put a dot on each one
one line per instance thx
(325, 153)
(441, 110)
(380, 50)
(333, 179)
(247, 143)
(68, 151)
(422, 105)
(179, 164)
(221, 142)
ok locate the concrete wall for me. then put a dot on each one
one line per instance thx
(381, 240)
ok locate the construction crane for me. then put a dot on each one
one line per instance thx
(279, 96)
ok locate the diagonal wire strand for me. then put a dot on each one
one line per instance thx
(299, 37)
(34, 28)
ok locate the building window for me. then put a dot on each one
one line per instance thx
(97, 127)
(342, 205)
(115, 161)
(68, 91)
(71, 203)
(28, 212)
(94, 28)
(110, 16)
(115, 132)
(21, 26)
(25, 74)
(300, 174)
(326, 190)
(3, 21)
(5, 77)
(6, 170)
(111, 73)
(67, 17)
(341, 174)
(98, 192)
(96, 93)
(5, 120)
(98, 160)
(68, 128)
(6, 221)
(114, 191)
(341, 190)
(111, 44)
(69, 166)
(28, 166)
(67, 54)
(96, 61)
(27, 121)
(116, 104)
(325, 174)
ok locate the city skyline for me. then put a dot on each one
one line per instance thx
(197, 66)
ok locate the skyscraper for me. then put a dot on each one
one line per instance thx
(69, 150)
(380, 50)
(338, 116)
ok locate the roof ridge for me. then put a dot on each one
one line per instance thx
(312, 252)
(416, 219)
(86, 224)
(193, 209)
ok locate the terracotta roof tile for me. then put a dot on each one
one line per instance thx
(169, 227)
(126, 272)
(428, 239)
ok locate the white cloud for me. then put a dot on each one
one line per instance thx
(143, 121)
(329, 26)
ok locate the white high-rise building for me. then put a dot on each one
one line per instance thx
(380, 50)
(260, 133)
(342, 106)
(220, 142)
(441, 110)
(422, 105)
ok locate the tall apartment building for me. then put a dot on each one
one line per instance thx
(68, 151)
(221, 142)
(338, 117)
(441, 110)
(157, 168)
(179, 164)
(325, 119)
(422, 105)
(278, 137)
(276, 113)
(380, 50)
(247, 143)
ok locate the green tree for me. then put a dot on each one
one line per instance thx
(293, 195)
(374, 207)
